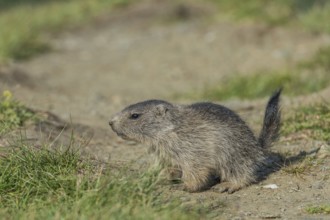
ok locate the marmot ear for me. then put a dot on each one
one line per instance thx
(161, 110)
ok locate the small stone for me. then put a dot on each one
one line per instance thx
(270, 186)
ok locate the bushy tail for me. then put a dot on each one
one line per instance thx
(272, 119)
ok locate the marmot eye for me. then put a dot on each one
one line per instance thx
(134, 116)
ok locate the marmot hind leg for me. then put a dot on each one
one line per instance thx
(230, 187)
(196, 180)
(234, 185)
(173, 173)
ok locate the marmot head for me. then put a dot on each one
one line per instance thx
(144, 121)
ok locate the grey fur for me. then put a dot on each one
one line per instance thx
(202, 140)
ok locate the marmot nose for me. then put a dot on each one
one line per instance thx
(111, 123)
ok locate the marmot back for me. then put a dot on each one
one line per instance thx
(203, 141)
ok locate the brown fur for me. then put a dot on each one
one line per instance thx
(204, 141)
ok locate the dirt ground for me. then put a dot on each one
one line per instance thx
(158, 50)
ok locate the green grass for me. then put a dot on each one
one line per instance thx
(48, 182)
(262, 84)
(319, 62)
(43, 183)
(252, 86)
(306, 77)
(316, 19)
(321, 209)
(312, 15)
(303, 167)
(313, 121)
(12, 113)
(30, 175)
(271, 12)
(25, 23)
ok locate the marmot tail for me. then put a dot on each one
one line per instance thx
(272, 119)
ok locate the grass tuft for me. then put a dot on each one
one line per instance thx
(12, 113)
(313, 121)
(30, 175)
(302, 168)
(45, 183)
(321, 209)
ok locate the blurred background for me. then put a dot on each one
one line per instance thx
(88, 58)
